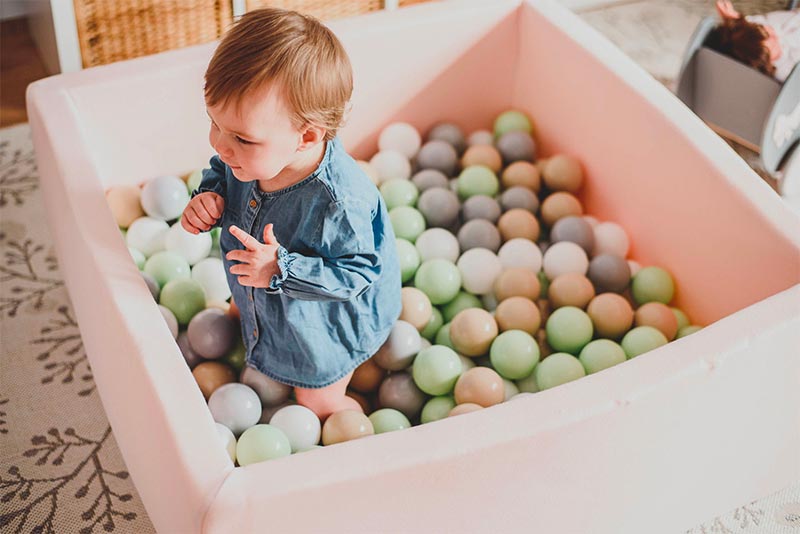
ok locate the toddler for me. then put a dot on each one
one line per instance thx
(307, 243)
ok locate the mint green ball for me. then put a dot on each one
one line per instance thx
(437, 408)
(434, 324)
(443, 336)
(408, 257)
(683, 320)
(399, 193)
(138, 258)
(557, 369)
(687, 330)
(439, 279)
(436, 370)
(569, 329)
(477, 180)
(184, 297)
(642, 339)
(512, 121)
(193, 182)
(461, 302)
(407, 222)
(166, 266)
(260, 443)
(601, 354)
(528, 384)
(388, 420)
(514, 354)
(652, 284)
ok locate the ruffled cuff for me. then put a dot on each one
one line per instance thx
(284, 262)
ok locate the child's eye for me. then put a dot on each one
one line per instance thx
(242, 141)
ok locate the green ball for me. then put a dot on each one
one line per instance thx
(399, 193)
(443, 336)
(687, 330)
(683, 320)
(652, 284)
(437, 408)
(569, 329)
(215, 233)
(388, 420)
(260, 443)
(477, 180)
(193, 182)
(237, 356)
(461, 302)
(184, 297)
(138, 257)
(528, 384)
(407, 222)
(166, 266)
(512, 121)
(514, 354)
(436, 370)
(642, 339)
(544, 283)
(601, 354)
(434, 324)
(557, 369)
(408, 258)
(439, 279)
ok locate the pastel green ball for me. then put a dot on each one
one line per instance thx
(184, 297)
(652, 284)
(437, 408)
(443, 336)
(194, 179)
(687, 330)
(461, 302)
(166, 266)
(683, 320)
(512, 121)
(477, 180)
(514, 354)
(407, 222)
(399, 193)
(557, 369)
(408, 257)
(528, 384)
(642, 339)
(434, 324)
(138, 258)
(436, 370)
(388, 420)
(601, 354)
(260, 443)
(569, 329)
(215, 233)
(236, 358)
(439, 279)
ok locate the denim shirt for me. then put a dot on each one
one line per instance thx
(337, 293)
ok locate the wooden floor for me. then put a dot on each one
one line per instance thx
(20, 65)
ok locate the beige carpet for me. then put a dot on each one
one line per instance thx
(60, 468)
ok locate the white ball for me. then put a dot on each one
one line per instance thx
(437, 243)
(210, 273)
(564, 257)
(399, 349)
(370, 171)
(635, 267)
(228, 439)
(402, 137)
(300, 425)
(271, 392)
(164, 197)
(511, 389)
(610, 238)
(146, 235)
(236, 406)
(521, 395)
(520, 252)
(466, 363)
(193, 247)
(424, 344)
(172, 321)
(480, 137)
(391, 165)
(479, 268)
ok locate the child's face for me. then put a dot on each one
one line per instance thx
(258, 143)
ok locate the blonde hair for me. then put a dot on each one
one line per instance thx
(296, 52)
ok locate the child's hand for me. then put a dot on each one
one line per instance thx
(202, 212)
(258, 261)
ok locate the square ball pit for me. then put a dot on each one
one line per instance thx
(656, 444)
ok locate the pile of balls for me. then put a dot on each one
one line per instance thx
(509, 288)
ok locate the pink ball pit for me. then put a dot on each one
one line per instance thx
(656, 444)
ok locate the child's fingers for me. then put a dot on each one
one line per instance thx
(201, 213)
(189, 227)
(250, 242)
(210, 206)
(192, 218)
(238, 255)
(220, 203)
(240, 268)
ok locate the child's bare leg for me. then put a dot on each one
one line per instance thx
(327, 400)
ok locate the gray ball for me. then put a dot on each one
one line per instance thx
(575, 229)
(479, 233)
(450, 133)
(271, 392)
(212, 333)
(516, 146)
(152, 285)
(191, 357)
(439, 207)
(439, 155)
(481, 207)
(268, 411)
(519, 197)
(171, 320)
(609, 272)
(430, 178)
(399, 391)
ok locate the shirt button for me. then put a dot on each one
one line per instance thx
(255, 332)
(253, 203)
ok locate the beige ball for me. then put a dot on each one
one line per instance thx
(517, 282)
(417, 308)
(518, 222)
(346, 425)
(125, 204)
(521, 173)
(481, 386)
(611, 315)
(563, 173)
(212, 375)
(367, 377)
(464, 408)
(518, 313)
(570, 289)
(482, 155)
(472, 331)
(558, 205)
(659, 316)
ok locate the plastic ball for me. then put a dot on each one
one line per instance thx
(260, 443)
(516, 146)
(517, 282)
(268, 411)
(165, 266)
(408, 257)
(461, 302)
(164, 197)
(436, 370)
(443, 335)
(437, 243)
(407, 222)
(518, 313)
(481, 386)
(300, 425)
(481, 207)
(518, 223)
(367, 377)
(399, 193)
(570, 289)
(520, 252)
(680, 318)
(138, 258)
(212, 375)
(557, 369)
(467, 407)
(528, 384)
(449, 133)
(346, 425)
(146, 235)
(193, 180)
(479, 233)
(519, 197)
(609, 273)
(484, 155)
(437, 408)
(659, 316)
(152, 285)
(439, 279)
(438, 155)
(514, 354)
(688, 330)
(439, 207)
(489, 300)
(124, 202)
(388, 420)
(434, 324)
(574, 229)
(477, 180)
(236, 406)
(399, 349)
(192, 247)
(611, 315)
(479, 269)
(189, 355)
(563, 173)
(210, 274)
(564, 257)
(642, 339)
(430, 178)
(510, 390)
(390, 165)
(401, 137)
(416, 307)
(172, 322)
(370, 171)
(635, 267)
(521, 174)
(399, 391)
(652, 284)
(512, 121)
(212, 333)
(227, 439)
(610, 238)
(184, 297)
(472, 331)
(559, 205)
(601, 354)
(569, 329)
(480, 137)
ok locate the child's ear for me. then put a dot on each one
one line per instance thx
(310, 137)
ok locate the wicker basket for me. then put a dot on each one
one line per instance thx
(327, 9)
